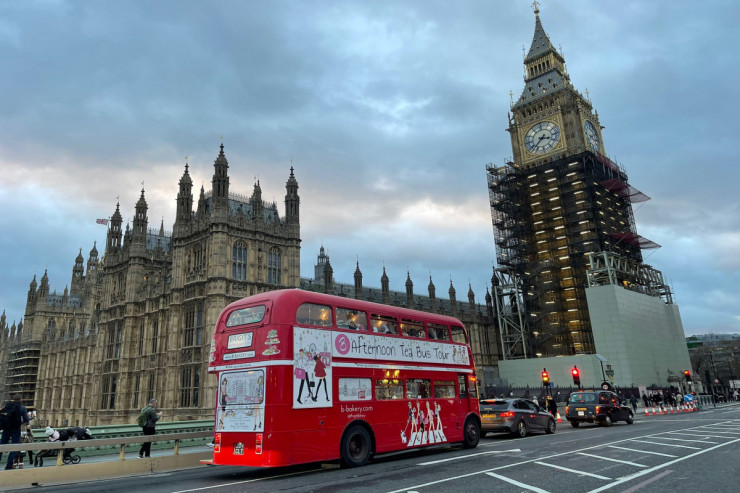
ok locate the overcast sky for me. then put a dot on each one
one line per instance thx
(389, 111)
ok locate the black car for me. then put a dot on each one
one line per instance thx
(518, 416)
(598, 406)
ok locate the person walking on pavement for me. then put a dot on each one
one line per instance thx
(645, 399)
(633, 401)
(151, 416)
(552, 406)
(13, 416)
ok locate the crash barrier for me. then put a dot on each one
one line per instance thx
(120, 466)
(85, 449)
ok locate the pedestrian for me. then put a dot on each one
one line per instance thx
(645, 399)
(151, 417)
(552, 406)
(12, 417)
(633, 401)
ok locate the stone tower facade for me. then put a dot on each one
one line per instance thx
(138, 324)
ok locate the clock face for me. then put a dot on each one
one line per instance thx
(542, 137)
(592, 137)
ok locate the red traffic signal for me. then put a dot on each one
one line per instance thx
(687, 375)
(576, 376)
(545, 378)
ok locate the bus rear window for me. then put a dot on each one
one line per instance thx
(250, 315)
(458, 334)
(311, 314)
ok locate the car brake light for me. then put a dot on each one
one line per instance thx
(217, 443)
(598, 408)
(258, 444)
(507, 414)
(567, 408)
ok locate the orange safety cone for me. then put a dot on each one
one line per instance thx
(678, 407)
(653, 408)
(647, 413)
(660, 409)
(560, 420)
(672, 412)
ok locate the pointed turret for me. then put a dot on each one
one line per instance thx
(220, 188)
(328, 278)
(453, 300)
(384, 287)
(431, 288)
(292, 200)
(409, 291)
(140, 220)
(202, 206)
(471, 295)
(358, 282)
(115, 231)
(489, 303)
(184, 198)
(43, 291)
(78, 274)
(258, 210)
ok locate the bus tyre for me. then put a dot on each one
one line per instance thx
(471, 433)
(356, 447)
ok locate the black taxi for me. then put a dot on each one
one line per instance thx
(596, 406)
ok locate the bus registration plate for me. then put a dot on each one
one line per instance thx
(238, 448)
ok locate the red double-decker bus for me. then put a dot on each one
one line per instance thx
(306, 377)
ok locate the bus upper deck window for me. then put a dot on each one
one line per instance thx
(351, 319)
(458, 335)
(311, 314)
(383, 324)
(438, 332)
(412, 328)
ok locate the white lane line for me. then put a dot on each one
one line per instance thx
(467, 456)
(613, 460)
(575, 471)
(669, 444)
(684, 440)
(682, 433)
(517, 483)
(639, 486)
(660, 466)
(642, 451)
(248, 481)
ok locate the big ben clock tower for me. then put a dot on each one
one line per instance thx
(558, 201)
(551, 119)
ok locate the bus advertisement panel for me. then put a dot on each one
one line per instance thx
(306, 377)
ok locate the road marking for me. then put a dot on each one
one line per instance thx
(695, 434)
(613, 460)
(667, 444)
(661, 466)
(580, 473)
(645, 483)
(247, 481)
(684, 440)
(516, 483)
(466, 456)
(642, 451)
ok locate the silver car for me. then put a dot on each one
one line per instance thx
(517, 416)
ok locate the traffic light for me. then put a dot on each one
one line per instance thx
(687, 375)
(576, 376)
(545, 378)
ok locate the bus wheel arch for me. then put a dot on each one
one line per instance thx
(471, 431)
(357, 445)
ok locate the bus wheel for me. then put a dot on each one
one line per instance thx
(356, 447)
(471, 433)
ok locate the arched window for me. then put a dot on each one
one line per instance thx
(239, 262)
(273, 266)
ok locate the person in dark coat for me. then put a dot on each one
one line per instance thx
(645, 399)
(12, 433)
(633, 401)
(552, 406)
(152, 416)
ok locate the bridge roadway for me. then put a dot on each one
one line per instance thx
(657, 453)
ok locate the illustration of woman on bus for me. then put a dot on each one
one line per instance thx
(319, 372)
(259, 398)
(301, 373)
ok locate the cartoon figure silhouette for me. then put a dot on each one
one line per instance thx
(258, 396)
(320, 373)
(301, 372)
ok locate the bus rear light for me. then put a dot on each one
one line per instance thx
(258, 444)
(217, 442)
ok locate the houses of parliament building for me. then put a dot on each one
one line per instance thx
(137, 323)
